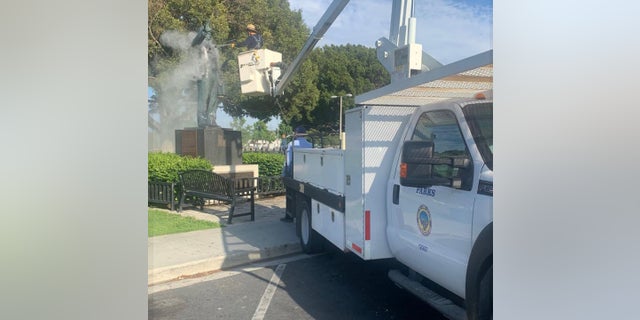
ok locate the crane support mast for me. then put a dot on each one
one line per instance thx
(316, 35)
(400, 54)
(402, 21)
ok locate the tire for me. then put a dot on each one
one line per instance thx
(310, 240)
(479, 279)
(485, 299)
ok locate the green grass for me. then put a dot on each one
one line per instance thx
(162, 222)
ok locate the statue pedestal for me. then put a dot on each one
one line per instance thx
(221, 146)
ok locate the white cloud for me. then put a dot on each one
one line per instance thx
(448, 30)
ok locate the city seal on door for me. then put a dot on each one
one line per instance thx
(424, 220)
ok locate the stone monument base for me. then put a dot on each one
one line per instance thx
(221, 146)
(237, 171)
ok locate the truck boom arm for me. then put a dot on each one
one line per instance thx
(316, 35)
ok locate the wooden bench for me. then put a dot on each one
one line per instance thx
(205, 184)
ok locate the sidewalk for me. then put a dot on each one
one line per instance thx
(181, 255)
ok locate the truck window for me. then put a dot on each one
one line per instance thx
(441, 128)
(480, 119)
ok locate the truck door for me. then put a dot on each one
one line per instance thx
(429, 222)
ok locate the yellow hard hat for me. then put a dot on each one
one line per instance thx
(251, 27)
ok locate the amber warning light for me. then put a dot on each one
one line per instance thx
(488, 94)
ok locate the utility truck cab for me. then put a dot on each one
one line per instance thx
(441, 193)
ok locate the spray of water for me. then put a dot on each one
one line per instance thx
(176, 106)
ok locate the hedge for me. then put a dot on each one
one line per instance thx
(269, 164)
(164, 166)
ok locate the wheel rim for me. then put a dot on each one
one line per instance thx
(304, 221)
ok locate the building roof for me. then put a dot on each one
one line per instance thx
(460, 79)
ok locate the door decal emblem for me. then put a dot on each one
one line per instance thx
(424, 220)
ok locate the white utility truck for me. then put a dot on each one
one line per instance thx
(414, 183)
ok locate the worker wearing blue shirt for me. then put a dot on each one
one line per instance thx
(299, 141)
(254, 39)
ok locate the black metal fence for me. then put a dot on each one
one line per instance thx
(266, 186)
(167, 193)
(162, 193)
(269, 186)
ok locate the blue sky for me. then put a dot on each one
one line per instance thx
(449, 30)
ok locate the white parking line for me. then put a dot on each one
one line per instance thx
(268, 293)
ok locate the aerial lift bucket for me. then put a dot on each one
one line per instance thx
(255, 67)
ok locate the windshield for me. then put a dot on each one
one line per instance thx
(479, 116)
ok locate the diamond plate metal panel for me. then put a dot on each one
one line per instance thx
(383, 127)
(462, 79)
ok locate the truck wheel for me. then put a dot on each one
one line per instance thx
(479, 279)
(310, 240)
(485, 299)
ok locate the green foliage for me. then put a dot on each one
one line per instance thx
(164, 166)
(285, 129)
(269, 164)
(257, 131)
(323, 139)
(302, 95)
(161, 222)
(240, 124)
(261, 132)
(283, 30)
(331, 70)
(343, 69)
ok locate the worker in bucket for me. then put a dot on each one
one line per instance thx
(253, 41)
(299, 141)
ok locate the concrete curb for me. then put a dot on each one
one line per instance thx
(164, 274)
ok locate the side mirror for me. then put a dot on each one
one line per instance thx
(414, 168)
(417, 167)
